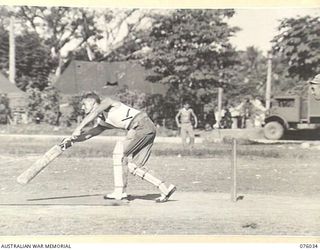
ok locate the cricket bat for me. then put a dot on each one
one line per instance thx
(40, 164)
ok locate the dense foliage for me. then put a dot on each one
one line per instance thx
(190, 52)
(298, 44)
(43, 105)
(187, 50)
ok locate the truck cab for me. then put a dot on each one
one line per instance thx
(291, 112)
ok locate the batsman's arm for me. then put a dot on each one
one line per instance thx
(90, 133)
(105, 104)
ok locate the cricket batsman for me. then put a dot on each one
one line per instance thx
(132, 153)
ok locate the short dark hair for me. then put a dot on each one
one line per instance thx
(92, 95)
(185, 101)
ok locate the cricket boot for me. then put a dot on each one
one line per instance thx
(166, 195)
(117, 194)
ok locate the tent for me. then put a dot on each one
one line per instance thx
(106, 78)
(17, 98)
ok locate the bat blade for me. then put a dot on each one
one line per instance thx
(39, 165)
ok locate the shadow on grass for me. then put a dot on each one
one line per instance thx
(65, 197)
(149, 197)
(143, 197)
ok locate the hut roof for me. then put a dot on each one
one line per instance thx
(106, 78)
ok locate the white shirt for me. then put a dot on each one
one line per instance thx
(118, 116)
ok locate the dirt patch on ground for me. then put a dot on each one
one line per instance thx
(187, 213)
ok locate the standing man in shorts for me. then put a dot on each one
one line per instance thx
(185, 124)
(132, 153)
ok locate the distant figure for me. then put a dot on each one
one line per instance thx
(252, 112)
(185, 124)
(315, 87)
(246, 113)
(209, 117)
(236, 119)
(259, 112)
(5, 112)
(226, 120)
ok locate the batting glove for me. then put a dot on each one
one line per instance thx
(66, 143)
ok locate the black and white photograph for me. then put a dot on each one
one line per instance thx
(160, 121)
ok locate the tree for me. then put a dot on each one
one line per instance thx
(189, 50)
(4, 13)
(249, 75)
(4, 50)
(298, 44)
(34, 108)
(83, 33)
(43, 105)
(58, 26)
(118, 26)
(132, 98)
(282, 82)
(161, 110)
(4, 39)
(33, 61)
(50, 105)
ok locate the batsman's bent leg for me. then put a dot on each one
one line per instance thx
(143, 173)
(120, 174)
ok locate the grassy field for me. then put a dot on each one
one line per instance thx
(46, 129)
(104, 148)
(279, 185)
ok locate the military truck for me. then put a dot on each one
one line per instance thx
(291, 112)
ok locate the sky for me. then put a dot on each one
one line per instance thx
(259, 26)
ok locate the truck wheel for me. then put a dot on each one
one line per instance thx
(273, 130)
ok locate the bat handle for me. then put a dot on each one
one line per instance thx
(66, 143)
(74, 138)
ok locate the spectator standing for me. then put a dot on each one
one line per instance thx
(209, 117)
(184, 122)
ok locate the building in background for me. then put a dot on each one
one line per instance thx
(106, 78)
(17, 101)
